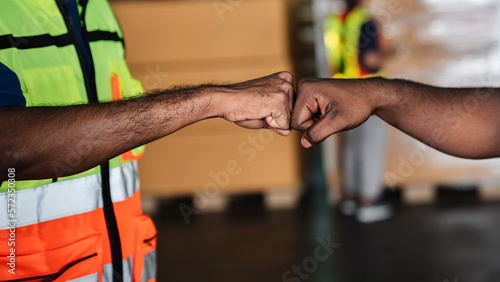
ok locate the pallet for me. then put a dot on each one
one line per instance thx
(272, 199)
(426, 193)
(423, 193)
(418, 193)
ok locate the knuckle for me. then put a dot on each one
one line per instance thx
(285, 75)
(304, 84)
(285, 87)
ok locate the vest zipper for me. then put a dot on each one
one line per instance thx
(90, 86)
(88, 79)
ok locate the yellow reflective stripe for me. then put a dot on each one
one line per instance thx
(26, 184)
(71, 197)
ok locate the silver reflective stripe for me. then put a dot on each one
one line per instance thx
(107, 271)
(89, 278)
(70, 197)
(149, 268)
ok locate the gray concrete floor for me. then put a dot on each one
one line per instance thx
(452, 240)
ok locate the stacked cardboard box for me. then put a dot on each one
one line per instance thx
(449, 43)
(190, 42)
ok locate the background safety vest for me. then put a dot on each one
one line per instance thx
(90, 224)
(342, 42)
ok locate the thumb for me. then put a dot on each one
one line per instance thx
(320, 130)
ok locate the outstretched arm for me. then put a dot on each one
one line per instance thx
(36, 138)
(464, 122)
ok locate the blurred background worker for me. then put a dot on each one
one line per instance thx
(353, 51)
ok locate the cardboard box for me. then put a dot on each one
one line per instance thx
(183, 31)
(180, 42)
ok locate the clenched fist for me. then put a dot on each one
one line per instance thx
(327, 106)
(260, 103)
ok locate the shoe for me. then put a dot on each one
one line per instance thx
(348, 207)
(374, 213)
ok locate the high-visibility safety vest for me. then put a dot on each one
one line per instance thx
(341, 39)
(89, 226)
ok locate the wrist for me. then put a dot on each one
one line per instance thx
(382, 93)
(217, 99)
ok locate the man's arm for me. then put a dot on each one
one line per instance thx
(464, 122)
(37, 140)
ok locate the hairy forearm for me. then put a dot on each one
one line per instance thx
(35, 140)
(464, 122)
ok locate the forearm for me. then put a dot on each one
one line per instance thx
(35, 140)
(462, 122)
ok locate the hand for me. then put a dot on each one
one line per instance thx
(261, 103)
(327, 106)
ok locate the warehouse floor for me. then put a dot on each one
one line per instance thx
(452, 240)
